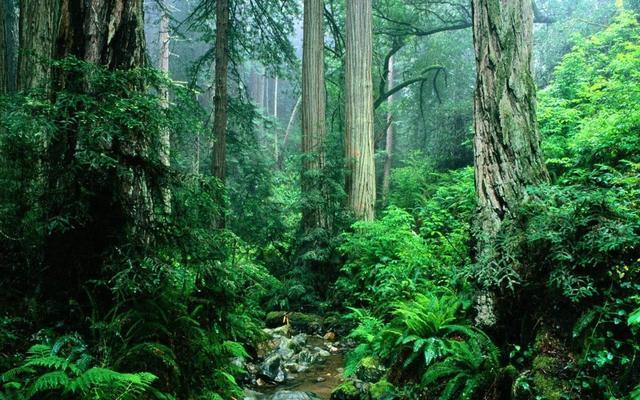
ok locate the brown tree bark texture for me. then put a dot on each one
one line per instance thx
(508, 157)
(359, 146)
(313, 113)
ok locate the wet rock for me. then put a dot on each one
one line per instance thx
(295, 367)
(272, 369)
(330, 336)
(251, 395)
(299, 340)
(288, 395)
(320, 379)
(307, 357)
(300, 322)
(321, 352)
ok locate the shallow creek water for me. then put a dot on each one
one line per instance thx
(329, 371)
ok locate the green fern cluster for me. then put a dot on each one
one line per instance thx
(64, 371)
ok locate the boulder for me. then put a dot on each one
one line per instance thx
(346, 391)
(289, 395)
(275, 319)
(272, 369)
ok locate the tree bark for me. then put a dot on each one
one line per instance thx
(221, 98)
(165, 134)
(361, 181)
(275, 116)
(38, 31)
(9, 33)
(386, 177)
(221, 90)
(508, 157)
(313, 115)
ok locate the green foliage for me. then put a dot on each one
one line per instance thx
(64, 371)
(387, 261)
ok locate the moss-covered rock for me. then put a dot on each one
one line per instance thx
(300, 322)
(381, 390)
(275, 319)
(346, 391)
(548, 367)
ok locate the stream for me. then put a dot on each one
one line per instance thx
(301, 367)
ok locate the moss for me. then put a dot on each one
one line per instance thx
(369, 362)
(380, 388)
(549, 387)
(346, 391)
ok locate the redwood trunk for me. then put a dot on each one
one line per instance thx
(38, 30)
(313, 115)
(9, 49)
(508, 157)
(361, 181)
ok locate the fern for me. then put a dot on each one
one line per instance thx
(61, 370)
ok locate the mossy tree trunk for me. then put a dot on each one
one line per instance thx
(313, 115)
(359, 146)
(165, 135)
(508, 158)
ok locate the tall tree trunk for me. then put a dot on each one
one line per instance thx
(386, 177)
(165, 134)
(9, 34)
(361, 182)
(38, 30)
(508, 157)
(221, 100)
(276, 127)
(313, 115)
(287, 132)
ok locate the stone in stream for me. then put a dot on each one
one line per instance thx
(272, 369)
(288, 395)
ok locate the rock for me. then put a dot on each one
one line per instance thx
(321, 352)
(307, 323)
(330, 336)
(369, 370)
(299, 340)
(333, 349)
(288, 395)
(320, 379)
(275, 319)
(307, 357)
(271, 369)
(294, 367)
(251, 395)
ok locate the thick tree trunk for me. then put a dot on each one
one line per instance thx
(313, 115)
(386, 176)
(38, 30)
(508, 157)
(165, 134)
(361, 181)
(9, 34)
(221, 100)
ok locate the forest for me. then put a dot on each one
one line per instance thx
(319, 199)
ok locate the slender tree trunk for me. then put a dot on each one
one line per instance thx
(38, 30)
(275, 116)
(221, 90)
(313, 115)
(287, 132)
(221, 100)
(508, 157)
(386, 177)
(361, 182)
(9, 33)
(165, 134)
